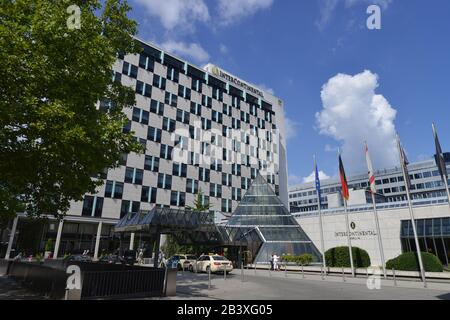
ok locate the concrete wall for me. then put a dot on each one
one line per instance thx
(364, 234)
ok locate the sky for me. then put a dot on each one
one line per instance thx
(341, 83)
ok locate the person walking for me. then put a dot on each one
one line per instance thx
(271, 262)
(276, 260)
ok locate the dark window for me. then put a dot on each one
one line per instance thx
(217, 116)
(206, 101)
(168, 124)
(148, 194)
(215, 190)
(146, 62)
(166, 152)
(129, 206)
(151, 163)
(204, 174)
(191, 186)
(173, 74)
(159, 82)
(170, 99)
(177, 199)
(196, 109)
(92, 206)
(226, 179)
(157, 107)
(130, 70)
(154, 134)
(144, 89)
(184, 92)
(164, 181)
(179, 170)
(226, 205)
(182, 116)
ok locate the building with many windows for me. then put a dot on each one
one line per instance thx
(425, 183)
(203, 129)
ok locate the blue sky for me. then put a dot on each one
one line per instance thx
(341, 83)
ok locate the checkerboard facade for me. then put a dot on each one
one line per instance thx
(200, 132)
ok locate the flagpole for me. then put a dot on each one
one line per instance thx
(380, 244)
(322, 241)
(349, 242)
(375, 213)
(443, 178)
(411, 212)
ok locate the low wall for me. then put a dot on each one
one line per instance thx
(4, 265)
(39, 278)
(97, 280)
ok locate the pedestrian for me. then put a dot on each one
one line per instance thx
(271, 262)
(276, 265)
(141, 257)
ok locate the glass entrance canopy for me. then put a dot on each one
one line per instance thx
(262, 214)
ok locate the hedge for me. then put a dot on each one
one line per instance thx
(303, 259)
(408, 261)
(339, 257)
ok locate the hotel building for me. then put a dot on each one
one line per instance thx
(202, 129)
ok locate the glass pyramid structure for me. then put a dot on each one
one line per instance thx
(266, 226)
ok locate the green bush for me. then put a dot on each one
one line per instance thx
(339, 257)
(49, 245)
(409, 262)
(303, 259)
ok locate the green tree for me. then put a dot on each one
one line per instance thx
(53, 138)
(199, 204)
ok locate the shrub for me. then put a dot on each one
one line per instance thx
(49, 245)
(339, 257)
(303, 259)
(408, 261)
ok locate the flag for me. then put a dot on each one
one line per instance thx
(439, 157)
(404, 163)
(345, 193)
(317, 182)
(371, 173)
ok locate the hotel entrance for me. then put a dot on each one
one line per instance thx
(433, 234)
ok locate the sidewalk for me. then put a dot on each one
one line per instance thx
(292, 286)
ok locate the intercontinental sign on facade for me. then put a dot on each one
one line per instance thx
(229, 78)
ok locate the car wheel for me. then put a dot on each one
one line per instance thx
(191, 269)
(179, 267)
(207, 269)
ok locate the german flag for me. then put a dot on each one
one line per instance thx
(345, 193)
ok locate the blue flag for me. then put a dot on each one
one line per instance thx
(318, 185)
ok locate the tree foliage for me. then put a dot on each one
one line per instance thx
(199, 204)
(53, 138)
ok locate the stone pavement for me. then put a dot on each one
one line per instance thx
(292, 286)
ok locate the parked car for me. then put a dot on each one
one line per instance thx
(215, 263)
(129, 257)
(111, 259)
(181, 260)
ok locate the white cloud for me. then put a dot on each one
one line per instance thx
(352, 113)
(177, 13)
(330, 148)
(326, 10)
(312, 177)
(266, 88)
(187, 50)
(231, 11)
(290, 127)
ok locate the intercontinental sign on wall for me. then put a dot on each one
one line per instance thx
(221, 74)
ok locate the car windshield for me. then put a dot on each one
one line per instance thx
(191, 257)
(220, 258)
